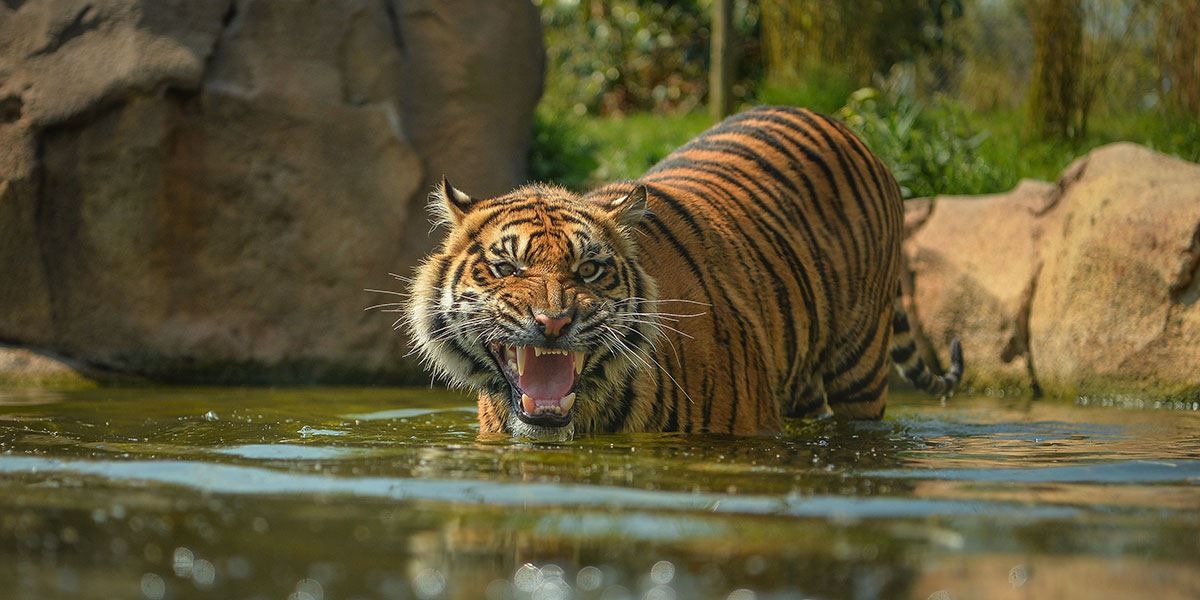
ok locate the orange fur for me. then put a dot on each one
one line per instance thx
(763, 258)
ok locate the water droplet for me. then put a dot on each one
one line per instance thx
(153, 587)
(182, 562)
(260, 525)
(499, 589)
(309, 431)
(203, 573)
(211, 416)
(553, 589)
(659, 592)
(589, 579)
(662, 572)
(616, 592)
(741, 594)
(308, 589)
(527, 578)
(1018, 576)
(428, 584)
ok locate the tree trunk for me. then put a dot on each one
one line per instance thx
(1179, 53)
(1054, 104)
(720, 74)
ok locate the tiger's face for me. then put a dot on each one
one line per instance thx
(536, 300)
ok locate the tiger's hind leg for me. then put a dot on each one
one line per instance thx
(857, 385)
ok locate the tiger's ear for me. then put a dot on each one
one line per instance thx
(448, 203)
(629, 209)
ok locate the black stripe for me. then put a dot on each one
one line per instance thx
(901, 354)
(673, 417)
(625, 405)
(787, 252)
(846, 163)
(718, 326)
(815, 158)
(858, 397)
(873, 372)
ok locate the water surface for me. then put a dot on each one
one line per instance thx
(326, 494)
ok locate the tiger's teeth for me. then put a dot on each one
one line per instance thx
(578, 362)
(528, 404)
(521, 359)
(567, 402)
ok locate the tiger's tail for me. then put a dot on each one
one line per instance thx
(912, 367)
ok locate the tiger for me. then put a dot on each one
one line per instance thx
(750, 276)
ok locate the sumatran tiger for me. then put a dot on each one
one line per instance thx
(751, 275)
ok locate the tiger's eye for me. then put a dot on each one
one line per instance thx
(588, 270)
(504, 269)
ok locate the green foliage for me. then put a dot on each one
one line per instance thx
(562, 151)
(936, 147)
(931, 148)
(626, 80)
(615, 56)
(860, 39)
(580, 152)
(822, 89)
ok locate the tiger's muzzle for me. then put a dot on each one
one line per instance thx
(542, 381)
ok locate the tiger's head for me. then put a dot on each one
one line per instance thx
(537, 301)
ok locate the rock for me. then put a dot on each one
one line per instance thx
(1089, 286)
(201, 189)
(1117, 297)
(23, 367)
(975, 260)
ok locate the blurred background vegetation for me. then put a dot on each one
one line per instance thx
(958, 96)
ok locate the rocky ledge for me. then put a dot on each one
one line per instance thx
(1085, 287)
(200, 190)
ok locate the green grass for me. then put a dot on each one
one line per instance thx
(630, 145)
(584, 152)
(1017, 157)
(823, 91)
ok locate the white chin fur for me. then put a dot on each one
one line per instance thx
(536, 433)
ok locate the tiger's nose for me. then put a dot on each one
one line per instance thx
(552, 325)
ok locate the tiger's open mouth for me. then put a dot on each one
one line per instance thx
(542, 381)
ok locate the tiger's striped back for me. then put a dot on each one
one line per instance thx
(789, 228)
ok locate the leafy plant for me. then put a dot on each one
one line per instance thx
(931, 148)
(610, 57)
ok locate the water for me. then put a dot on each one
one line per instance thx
(331, 494)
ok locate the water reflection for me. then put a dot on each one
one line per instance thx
(137, 494)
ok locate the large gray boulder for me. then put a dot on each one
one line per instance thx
(200, 189)
(1087, 287)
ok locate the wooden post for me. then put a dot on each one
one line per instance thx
(720, 72)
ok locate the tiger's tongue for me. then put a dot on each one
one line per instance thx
(548, 377)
